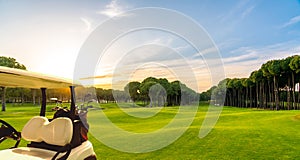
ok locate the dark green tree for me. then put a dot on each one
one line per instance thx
(133, 89)
(145, 86)
(176, 93)
(206, 96)
(275, 70)
(11, 63)
(287, 74)
(295, 67)
(268, 87)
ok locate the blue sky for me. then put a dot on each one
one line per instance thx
(46, 36)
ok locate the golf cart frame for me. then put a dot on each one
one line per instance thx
(65, 123)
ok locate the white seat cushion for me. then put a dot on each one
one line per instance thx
(57, 132)
(26, 153)
(29, 153)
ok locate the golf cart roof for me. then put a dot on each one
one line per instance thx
(11, 77)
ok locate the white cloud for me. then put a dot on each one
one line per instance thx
(235, 16)
(228, 43)
(251, 58)
(165, 41)
(87, 23)
(241, 9)
(247, 11)
(112, 9)
(251, 54)
(182, 48)
(292, 21)
(211, 50)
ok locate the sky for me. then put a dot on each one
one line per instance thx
(46, 36)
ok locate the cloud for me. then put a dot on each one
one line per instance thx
(112, 9)
(292, 21)
(247, 11)
(251, 58)
(251, 54)
(182, 48)
(233, 17)
(98, 77)
(211, 50)
(87, 23)
(228, 43)
(241, 9)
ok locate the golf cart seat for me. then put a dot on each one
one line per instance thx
(57, 134)
(30, 153)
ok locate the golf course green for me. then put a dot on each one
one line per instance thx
(240, 133)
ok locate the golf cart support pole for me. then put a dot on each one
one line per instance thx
(43, 107)
(72, 109)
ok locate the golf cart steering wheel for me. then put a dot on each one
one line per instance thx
(7, 131)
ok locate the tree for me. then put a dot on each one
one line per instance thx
(275, 70)
(165, 90)
(238, 86)
(206, 96)
(295, 67)
(12, 63)
(230, 93)
(3, 98)
(253, 78)
(248, 84)
(257, 78)
(287, 72)
(120, 96)
(18, 95)
(219, 92)
(268, 87)
(176, 93)
(105, 95)
(145, 88)
(188, 95)
(132, 88)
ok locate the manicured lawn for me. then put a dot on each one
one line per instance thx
(239, 133)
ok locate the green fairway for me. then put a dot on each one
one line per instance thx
(239, 133)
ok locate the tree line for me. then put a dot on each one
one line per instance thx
(272, 86)
(150, 92)
(12, 63)
(25, 95)
(161, 92)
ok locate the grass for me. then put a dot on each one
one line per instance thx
(238, 134)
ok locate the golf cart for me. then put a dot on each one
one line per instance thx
(62, 137)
